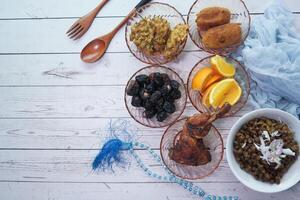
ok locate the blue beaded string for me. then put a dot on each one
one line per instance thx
(189, 186)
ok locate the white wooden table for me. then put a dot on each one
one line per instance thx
(54, 108)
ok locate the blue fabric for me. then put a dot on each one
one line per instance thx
(271, 54)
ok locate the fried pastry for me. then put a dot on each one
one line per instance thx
(211, 17)
(177, 37)
(150, 35)
(222, 36)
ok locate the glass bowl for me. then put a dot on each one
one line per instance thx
(213, 140)
(239, 14)
(241, 77)
(180, 104)
(151, 10)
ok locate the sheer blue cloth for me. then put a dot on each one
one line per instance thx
(271, 54)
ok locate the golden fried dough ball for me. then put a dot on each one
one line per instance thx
(211, 17)
(222, 36)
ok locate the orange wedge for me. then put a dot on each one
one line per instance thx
(212, 80)
(201, 78)
(225, 91)
(222, 66)
(205, 97)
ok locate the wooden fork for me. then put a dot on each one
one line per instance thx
(83, 23)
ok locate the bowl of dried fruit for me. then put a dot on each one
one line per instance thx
(218, 26)
(262, 150)
(216, 80)
(156, 34)
(155, 96)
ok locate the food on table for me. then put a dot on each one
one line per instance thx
(156, 93)
(189, 148)
(215, 29)
(216, 85)
(222, 66)
(190, 151)
(215, 78)
(162, 32)
(222, 36)
(225, 91)
(142, 34)
(154, 36)
(177, 37)
(265, 148)
(211, 17)
(205, 96)
(201, 78)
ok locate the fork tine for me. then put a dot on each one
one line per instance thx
(76, 33)
(79, 34)
(72, 27)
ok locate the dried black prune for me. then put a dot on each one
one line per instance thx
(156, 93)
(136, 101)
(155, 96)
(148, 105)
(159, 108)
(161, 116)
(166, 89)
(142, 79)
(160, 102)
(149, 113)
(166, 78)
(144, 94)
(133, 88)
(175, 85)
(151, 76)
(158, 79)
(175, 94)
(169, 107)
(169, 99)
(150, 87)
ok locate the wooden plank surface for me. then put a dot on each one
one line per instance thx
(32, 9)
(54, 109)
(54, 40)
(145, 191)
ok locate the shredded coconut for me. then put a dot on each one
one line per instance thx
(275, 152)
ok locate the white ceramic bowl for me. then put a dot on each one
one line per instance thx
(290, 178)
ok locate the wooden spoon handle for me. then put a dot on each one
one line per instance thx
(124, 21)
(96, 10)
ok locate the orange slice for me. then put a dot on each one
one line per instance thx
(222, 66)
(201, 78)
(225, 91)
(205, 97)
(212, 80)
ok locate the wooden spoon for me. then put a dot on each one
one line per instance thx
(95, 49)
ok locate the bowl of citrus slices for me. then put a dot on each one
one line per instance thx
(217, 80)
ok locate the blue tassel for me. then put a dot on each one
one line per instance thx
(110, 154)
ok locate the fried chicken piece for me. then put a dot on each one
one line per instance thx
(222, 36)
(211, 17)
(189, 148)
(198, 126)
(190, 151)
